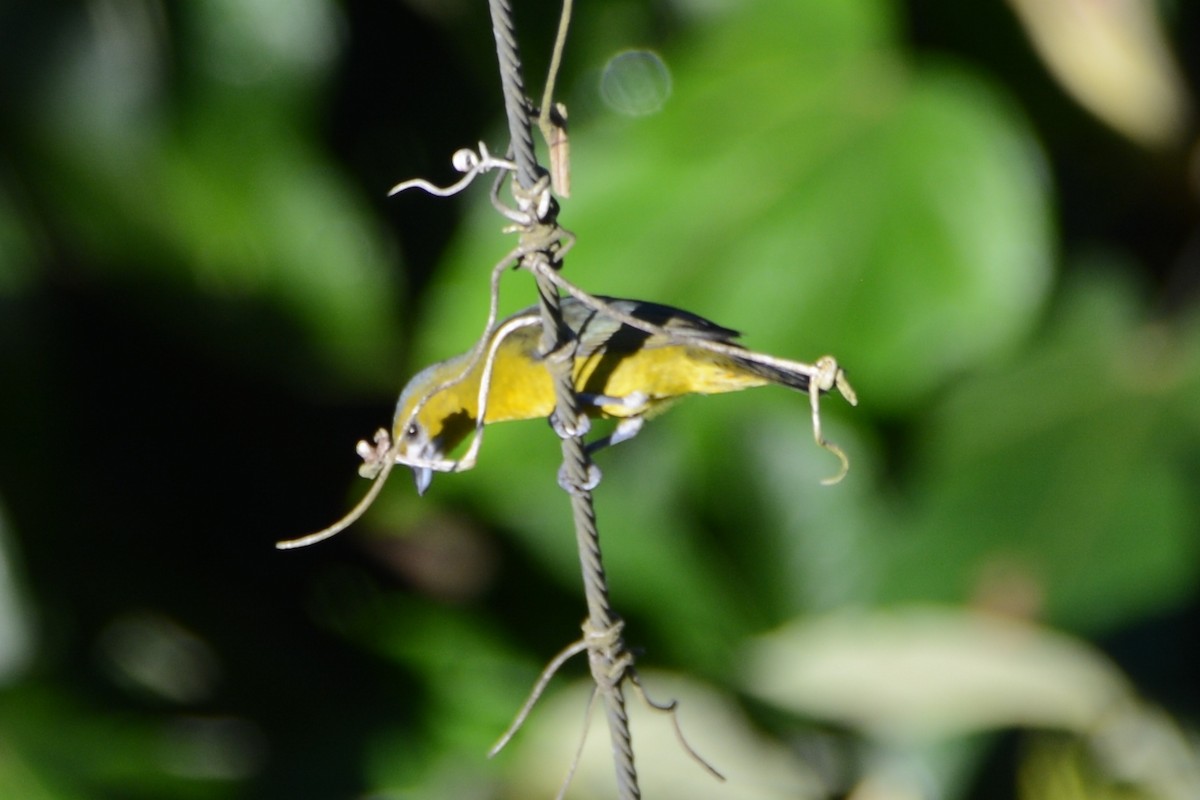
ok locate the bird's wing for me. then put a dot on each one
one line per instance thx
(599, 331)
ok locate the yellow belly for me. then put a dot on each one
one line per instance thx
(522, 387)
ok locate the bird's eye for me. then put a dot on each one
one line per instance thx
(411, 431)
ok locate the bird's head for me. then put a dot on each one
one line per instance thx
(433, 415)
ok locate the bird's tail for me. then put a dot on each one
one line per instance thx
(824, 374)
(780, 371)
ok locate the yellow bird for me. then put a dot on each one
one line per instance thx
(629, 363)
(620, 372)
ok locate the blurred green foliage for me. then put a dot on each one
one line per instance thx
(206, 299)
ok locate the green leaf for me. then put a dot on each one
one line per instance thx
(926, 673)
(1060, 473)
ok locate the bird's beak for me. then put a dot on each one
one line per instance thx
(423, 477)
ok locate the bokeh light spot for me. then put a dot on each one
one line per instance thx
(635, 83)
